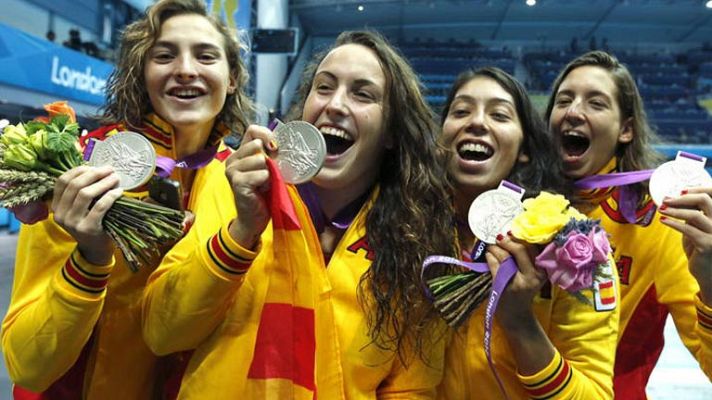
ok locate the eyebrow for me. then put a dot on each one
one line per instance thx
(590, 93)
(173, 46)
(357, 82)
(469, 99)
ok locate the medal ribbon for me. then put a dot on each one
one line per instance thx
(505, 273)
(166, 165)
(628, 200)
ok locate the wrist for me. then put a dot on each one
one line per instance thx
(521, 323)
(244, 236)
(98, 254)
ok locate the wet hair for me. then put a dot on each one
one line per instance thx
(544, 170)
(412, 216)
(638, 154)
(127, 98)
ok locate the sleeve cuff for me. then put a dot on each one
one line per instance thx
(81, 276)
(550, 380)
(226, 257)
(704, 315)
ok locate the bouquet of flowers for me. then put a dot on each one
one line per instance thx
(576, 248)
(34, 154)
(575, 252)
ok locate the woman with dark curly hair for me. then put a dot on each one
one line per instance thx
(546, 342)
(368, 219)
(73, 326)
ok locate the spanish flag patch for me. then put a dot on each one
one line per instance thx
(604, 298)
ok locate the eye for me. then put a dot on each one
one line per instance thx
(365, 95)
(562, 101)
(598, 104)
(162, 56)
(459, 112)
(208, 57)
(322, 88)
(500, 116)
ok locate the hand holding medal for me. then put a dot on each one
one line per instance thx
(298, 151)
(574, 254)
(34, 154)
(683, 190)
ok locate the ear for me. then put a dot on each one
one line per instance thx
(626, 134)
(523, 157)
(231, 85)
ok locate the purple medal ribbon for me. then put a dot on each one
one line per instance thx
(507, 270)
(89, 149)
(623, 178)
(614, 179)
(627, 199)
(166, 165)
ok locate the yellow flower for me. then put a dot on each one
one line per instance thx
(542, 219)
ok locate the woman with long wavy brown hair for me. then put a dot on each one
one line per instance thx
(378, 207)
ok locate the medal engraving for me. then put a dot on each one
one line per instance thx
(301, 153)
(131, 155)
(492, 212)
(670, 178)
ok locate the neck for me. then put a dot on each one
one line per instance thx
(190, 140)
(332, 201)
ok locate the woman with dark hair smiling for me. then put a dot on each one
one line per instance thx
(545, 342)
(664, 255)
(367, 220)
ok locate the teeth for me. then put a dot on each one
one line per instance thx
(330, 130)
(574, 133)
(476, 147)
(186, 92)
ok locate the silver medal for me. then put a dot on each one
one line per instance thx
(670, 178)
(301, 151)
(131, 155)
(492, 212)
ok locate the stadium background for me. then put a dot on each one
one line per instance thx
(64, 49)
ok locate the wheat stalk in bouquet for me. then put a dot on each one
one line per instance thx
(35, 153)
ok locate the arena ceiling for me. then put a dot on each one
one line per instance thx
(685, 22)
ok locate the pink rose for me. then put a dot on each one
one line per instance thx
(572, 265)
(31, 213)
(601, 246)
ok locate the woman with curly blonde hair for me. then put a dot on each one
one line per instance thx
(73, 326)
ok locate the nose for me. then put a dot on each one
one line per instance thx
(575, 111)
(476, 123)
(186, 68)
(337, 103)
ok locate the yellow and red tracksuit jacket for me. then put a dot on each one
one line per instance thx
(584, 336)
(276, 322)
(655, 281)
(73, 330)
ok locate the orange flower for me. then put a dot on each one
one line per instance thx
(60, 108)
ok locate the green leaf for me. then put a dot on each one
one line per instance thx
(72, 128)
(60, 142)
(59, 122)
(34, 126)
